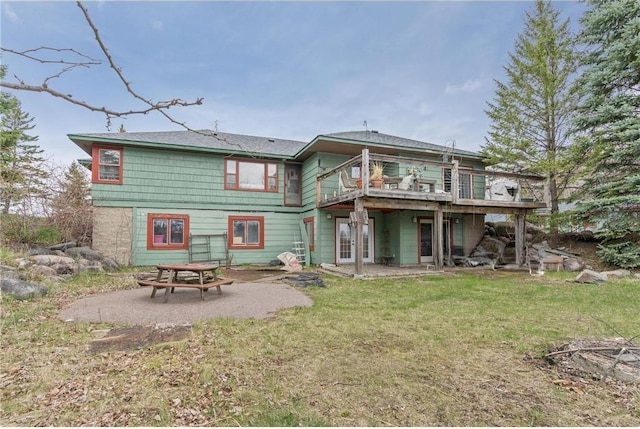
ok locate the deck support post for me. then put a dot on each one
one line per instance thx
(359, 224)
(455, 182)
(364, 171)
(438, 257)
(520, 233)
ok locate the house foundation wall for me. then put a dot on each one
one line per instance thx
(113, 232)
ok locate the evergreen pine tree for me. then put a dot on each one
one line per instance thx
(608, 120)
(20, 160)
(531, 110)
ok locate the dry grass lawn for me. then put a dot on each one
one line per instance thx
(454, 350)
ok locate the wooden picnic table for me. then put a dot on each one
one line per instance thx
(185, 275)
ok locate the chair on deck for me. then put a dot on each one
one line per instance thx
(406, 183)
(346, 184)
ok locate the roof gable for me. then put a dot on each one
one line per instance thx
(352, 142)
(399, 142)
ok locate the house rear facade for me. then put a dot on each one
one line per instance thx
(253, 198)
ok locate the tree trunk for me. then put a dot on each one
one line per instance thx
(553, 198)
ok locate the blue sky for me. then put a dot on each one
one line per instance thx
(422, 69)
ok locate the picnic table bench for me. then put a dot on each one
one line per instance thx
(187, 276)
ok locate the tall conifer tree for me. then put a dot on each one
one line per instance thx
(531, 110)
(20, 160)
(608, 120)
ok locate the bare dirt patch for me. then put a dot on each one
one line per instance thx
(251, 274)
(138, 337)
(581, 244)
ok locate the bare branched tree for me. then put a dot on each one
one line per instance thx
(71, 59)
(71, 210)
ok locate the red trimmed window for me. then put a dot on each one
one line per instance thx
(246, 232)
(106, 165)
(167, 231)
(251, 175)
(309, 225)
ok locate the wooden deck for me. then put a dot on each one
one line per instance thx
(427, 185)
(424, 193)
(412, 200)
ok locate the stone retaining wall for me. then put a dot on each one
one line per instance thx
(113, 232)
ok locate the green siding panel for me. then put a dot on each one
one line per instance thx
(157, 181)
(278, 236)
(155, 176)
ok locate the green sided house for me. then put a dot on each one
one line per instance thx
(183, 196)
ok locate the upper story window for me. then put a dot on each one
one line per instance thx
(251, 175)
(465, 183)
(292, 185)
(446, 172)
(167, 231)
(106, 165)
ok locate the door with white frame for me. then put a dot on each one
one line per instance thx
(427, 245)
(346, 242)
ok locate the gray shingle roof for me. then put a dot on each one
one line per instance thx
(204, 139)
(389, 140)
(268, 146)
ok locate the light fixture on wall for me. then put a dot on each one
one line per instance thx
(456, 220)
(329, 216)
(414, 219)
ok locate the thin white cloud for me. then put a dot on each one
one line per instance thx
(157, 25)
(8, 11)
(468, 86)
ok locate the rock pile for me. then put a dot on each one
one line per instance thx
(497, 248)
(54, 263)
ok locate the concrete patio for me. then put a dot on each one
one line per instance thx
(377, 270)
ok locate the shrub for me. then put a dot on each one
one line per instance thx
(623, 255)
(19, 231)
(47, 235)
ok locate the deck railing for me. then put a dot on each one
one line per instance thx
(411, 178)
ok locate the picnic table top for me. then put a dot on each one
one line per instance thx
(188, 267)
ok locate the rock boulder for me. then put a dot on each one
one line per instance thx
(589, 276)
(21, 289)
(50, 260)
(83, 252)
